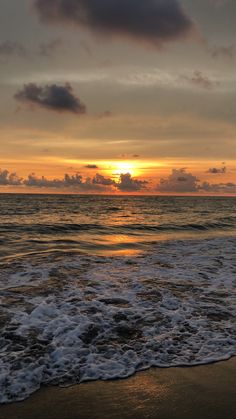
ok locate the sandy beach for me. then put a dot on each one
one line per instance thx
(206, 392)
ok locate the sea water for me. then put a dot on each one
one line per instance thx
(99, 287)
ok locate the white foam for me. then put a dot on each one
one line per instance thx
(88, 318)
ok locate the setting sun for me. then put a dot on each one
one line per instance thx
(125, 167)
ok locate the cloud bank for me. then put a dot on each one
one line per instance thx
(9, 179)
(153, 21)
(98, 183)
(179, 181)
(52, 97)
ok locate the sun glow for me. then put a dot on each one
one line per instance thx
(125, 167)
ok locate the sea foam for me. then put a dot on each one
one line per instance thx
(66, 318)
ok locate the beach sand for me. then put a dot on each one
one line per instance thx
(203, 392)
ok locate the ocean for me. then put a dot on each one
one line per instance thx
(99, 287)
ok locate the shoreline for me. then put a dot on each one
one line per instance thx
(199, 392)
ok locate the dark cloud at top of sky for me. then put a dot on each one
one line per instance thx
(153, 21)
(215, 170)
(53, 97)
(10, 48)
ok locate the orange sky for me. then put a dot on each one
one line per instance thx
(123, 96)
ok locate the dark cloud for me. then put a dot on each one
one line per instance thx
(98, 183)
(44, 49)
(9, 179)
(101, 180)
(74, 182)
(222, 188)
(53, 97)
(11, 48)
(153, 21)
(91, 166)
(215, 170)
(200, 80)
(42, 182)
(128, 184)
(128, 156)
(179, 181)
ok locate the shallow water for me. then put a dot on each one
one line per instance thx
(101, 287)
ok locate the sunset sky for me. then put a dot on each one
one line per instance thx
(118, 96)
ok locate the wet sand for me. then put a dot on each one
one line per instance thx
(204, 392)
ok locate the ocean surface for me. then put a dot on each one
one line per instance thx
(99, 287)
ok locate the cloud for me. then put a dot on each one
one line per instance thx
(9, 179)
(98, 183)
(101, 180)
(223, 188)
(200, 80)
(128, 184)
(53, 97)
(10, 48)
(44, 49)
(179, 181)
(42, 182)
(91, 166)
(153, 21)
(215, 170)
(128, 156)
(74, 182)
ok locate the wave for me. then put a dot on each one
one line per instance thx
(60, 228)
(68, 318)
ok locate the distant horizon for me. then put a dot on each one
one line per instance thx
(116, 195)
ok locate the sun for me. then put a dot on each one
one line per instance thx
(125, 167)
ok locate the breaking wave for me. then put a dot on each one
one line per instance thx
(66, 317)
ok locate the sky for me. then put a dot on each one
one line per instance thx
(118, 96)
